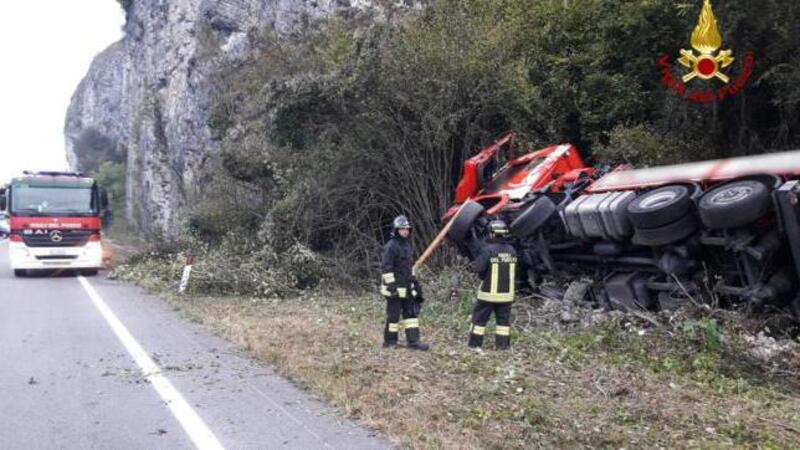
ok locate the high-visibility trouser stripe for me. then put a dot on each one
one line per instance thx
(388, 277)
(402, 292)
(503, 297)
(478, 330)
(495, 277)
(394, 327)
(385, 291)
(502, 331)
(411, 323)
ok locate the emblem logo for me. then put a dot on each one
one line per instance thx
(56, 236)
(706, 61)
(706, 40)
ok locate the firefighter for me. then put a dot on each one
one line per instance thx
(496, 265)
(401, 290)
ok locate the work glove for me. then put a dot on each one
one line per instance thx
(416, 291)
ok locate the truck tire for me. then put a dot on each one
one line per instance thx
(533, 218)
(88, 272)
(660, 207)
(734, 204)
(470, 247)
(463, 220)
(20, 272)
(667, 234)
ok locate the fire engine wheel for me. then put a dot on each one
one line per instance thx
(20, 272)
(533, 218)
(463, 220)
(660, 207)
(667, 234)
(88, 272)
(734, 204)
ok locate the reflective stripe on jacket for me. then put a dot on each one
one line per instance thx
(497, 266)
(396, 268)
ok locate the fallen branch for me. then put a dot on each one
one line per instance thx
(780, 424)
(647, 318)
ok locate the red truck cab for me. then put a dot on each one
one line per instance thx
(498, 180)
(54, 221)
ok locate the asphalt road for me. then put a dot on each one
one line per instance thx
(97, 364)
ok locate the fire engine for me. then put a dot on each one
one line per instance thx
(652, 238)
(54, 222)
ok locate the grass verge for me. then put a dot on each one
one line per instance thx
(615, 385)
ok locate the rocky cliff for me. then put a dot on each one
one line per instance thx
(147, 95)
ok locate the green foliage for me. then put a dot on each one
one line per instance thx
(707, 330)
(111, 177)
(235, 265)
(640, 145)
(337, 45)
(94, 148)
(335, 133)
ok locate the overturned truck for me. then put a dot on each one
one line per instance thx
(653, 238)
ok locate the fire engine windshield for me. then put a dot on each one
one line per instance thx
(29, 200)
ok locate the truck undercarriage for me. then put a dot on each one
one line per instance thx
(725, 231)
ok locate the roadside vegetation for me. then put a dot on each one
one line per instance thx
(325, 137)
(575, 377)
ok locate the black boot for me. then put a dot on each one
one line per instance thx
(502, 337)
(502, 342)
(412, 336)
(476, 336)
(475, 341)
(390, 337)
(418, 346)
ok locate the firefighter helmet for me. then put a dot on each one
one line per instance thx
(498, 228)
(401, 222)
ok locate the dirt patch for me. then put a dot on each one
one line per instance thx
(587, 382)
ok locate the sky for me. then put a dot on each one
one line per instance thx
(46, 47)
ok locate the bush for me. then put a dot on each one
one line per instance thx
(237, 264)
(111, 177)
(333, 134)
(639, 145)
(95, 148)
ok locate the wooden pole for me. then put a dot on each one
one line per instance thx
(437, 241)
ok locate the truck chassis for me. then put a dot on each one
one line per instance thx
(655, 238)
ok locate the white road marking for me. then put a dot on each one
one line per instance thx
(191, 422)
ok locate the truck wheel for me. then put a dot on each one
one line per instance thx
(88, 272)
(463, 221)
(470, 247)
(533, 218)
(734, 204)
(667, 234)
(660, 207)
(20, 272)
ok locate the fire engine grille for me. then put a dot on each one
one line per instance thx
(58, 238)
(56, 257)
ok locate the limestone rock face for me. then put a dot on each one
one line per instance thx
(148, 93)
